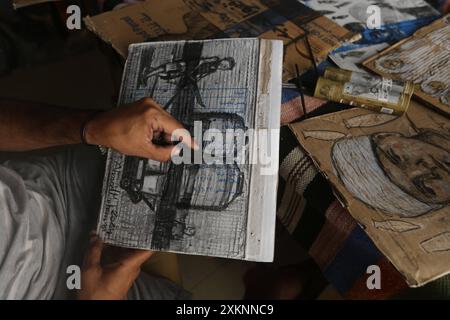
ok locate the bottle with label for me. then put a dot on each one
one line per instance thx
(379, 97)
(361, 78)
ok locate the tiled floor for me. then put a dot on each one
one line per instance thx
(213, 278)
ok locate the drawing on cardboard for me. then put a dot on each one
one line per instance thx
(393, 176)
(323, 135)
(196, 207)
(395, 225)
(174, 192)
(438, 243)
(424, 59)
(186, 79)
(399, 175)
(369, 120)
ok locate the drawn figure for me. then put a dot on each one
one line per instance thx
(433, 87)
(393, 65)
(399, 175)
(424, 60)
(176, 72)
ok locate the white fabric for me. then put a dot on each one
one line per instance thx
(48, 205)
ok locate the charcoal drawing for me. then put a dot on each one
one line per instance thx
(399, 175)
(176, 72)
(191, 208)
(392, 174)
(422, 59)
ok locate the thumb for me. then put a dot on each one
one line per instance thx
(136, 258)
(94, 253)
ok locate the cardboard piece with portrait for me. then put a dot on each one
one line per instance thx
(393, 175)
(424, 59)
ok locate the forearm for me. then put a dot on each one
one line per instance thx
(27, 126)
(130, 129)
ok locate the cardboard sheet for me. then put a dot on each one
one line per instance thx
(199, 19)
(423, 58)
(393, 175)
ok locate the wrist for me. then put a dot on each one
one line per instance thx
(90, 131)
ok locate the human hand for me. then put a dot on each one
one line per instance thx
(131, 130)
(112, 280)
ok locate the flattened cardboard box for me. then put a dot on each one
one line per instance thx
(195, 20)
(423, 58)
(393, 176)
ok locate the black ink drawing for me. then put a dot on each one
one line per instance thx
(393, 177)
(399, 175)
(423, 59)
(167, 188)
(171, 189)
(195, 206)
(406, 176)
(185, 78)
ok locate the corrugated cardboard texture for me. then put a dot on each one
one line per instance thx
(187, 19)
(423, 58)
(393, 175)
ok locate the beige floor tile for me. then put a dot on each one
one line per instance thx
(224, 283)
(195, 269)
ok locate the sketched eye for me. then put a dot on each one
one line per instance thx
(395, 159)
(419, 182)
